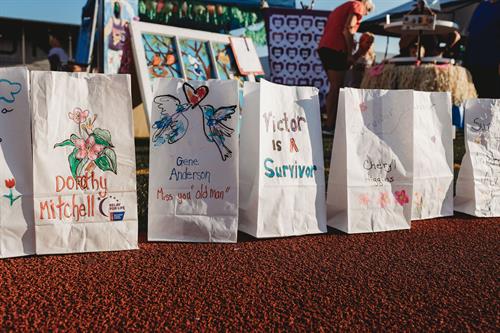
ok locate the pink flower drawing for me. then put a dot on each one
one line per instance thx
(363, 107)
(87, 148)
(78, 116)
(384, 200)
(364, 199)
(401, 197)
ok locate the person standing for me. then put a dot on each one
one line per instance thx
(58, 58)
(482, 55)
(336, 50)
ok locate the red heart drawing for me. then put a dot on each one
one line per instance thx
(195, 96)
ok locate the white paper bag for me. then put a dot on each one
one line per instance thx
(17, 229)
(193, 167)
(84, 163)
(478, 183)
(371, 170)
(282, 184)
(432, 155)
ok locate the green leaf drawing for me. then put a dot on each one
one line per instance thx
(102, 137)
(67, 142)
(73, 162)
(81, 165)
(107, 160)
(103, 163)
(110, 153)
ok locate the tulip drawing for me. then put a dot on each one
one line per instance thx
(10, 184)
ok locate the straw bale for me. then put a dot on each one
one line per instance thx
(427, 77)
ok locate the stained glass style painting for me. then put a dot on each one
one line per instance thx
(196, 59)
(226, 64)
(161, 56)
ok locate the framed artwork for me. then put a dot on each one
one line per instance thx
(196, 59)
(226, 63)
(165, 51)
(161, 56)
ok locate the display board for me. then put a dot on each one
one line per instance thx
(163, 52)
(293, 36)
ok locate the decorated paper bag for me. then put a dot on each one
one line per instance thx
(193, 167)
(282, 184)
(84, 163)
(17, 229)
(478, 184)
(432, 155)
(371, 170)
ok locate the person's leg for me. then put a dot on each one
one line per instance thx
(336, 79)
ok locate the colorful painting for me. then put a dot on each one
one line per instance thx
(92, 146)
(161, 56)
(196, 59)
(226, 63)
(117, 16)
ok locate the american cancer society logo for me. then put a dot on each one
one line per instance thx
(112, 208)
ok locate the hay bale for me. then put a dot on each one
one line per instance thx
(428, 77)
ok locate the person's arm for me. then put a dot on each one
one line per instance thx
(108, 27)
(348, 33)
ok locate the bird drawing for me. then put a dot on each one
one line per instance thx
(173, 124)
(196, 67)
(215, 130)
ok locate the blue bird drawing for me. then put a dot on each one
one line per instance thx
(215, 130)
(173, 124)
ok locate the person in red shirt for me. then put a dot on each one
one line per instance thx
(336, 50)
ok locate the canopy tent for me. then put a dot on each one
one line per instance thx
(458, 11)
(253, 3)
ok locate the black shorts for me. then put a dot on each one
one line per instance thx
(333, 60)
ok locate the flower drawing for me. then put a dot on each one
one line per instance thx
(87, 148)
(10, 184)
(364, 199)
(384, 199)
(78, 116)
(401, 197)
(92, 147)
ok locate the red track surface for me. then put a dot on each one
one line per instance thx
(441, 275)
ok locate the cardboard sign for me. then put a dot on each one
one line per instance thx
(17, 229)
(84, 157)
(246, 56)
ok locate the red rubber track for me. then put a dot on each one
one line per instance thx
(441, 275)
